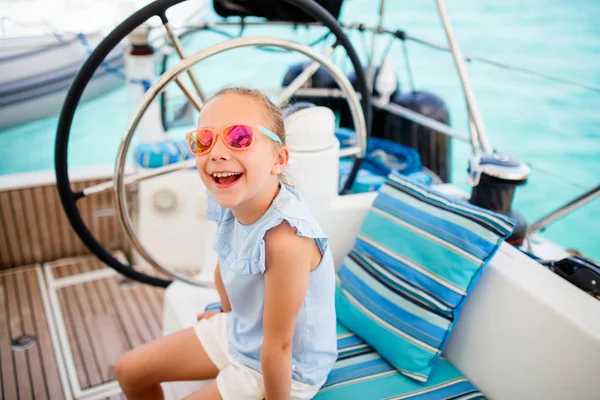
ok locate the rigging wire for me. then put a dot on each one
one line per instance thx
(365, 46)
(387, 50)
(556, 176)
(404, 37)
(503, 65)
(407, 66)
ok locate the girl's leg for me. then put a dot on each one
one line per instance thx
(177, 357)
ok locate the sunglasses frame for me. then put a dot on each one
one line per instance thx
(220, 132)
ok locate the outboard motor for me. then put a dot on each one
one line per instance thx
(494, 178)
(433, 147)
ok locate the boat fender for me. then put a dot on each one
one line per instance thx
(386, 86)
(320, 80)
(435, 149)
(386, 81)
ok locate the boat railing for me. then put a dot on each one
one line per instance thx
(563, 210)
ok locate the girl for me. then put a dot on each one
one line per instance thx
(275, 335)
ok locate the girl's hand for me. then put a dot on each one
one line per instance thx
(207, 314)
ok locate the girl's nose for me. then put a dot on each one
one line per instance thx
(219, 152)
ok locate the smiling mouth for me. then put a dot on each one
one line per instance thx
(225, 178)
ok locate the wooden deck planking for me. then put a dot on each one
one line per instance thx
(49, 206)
(106, 330)
(34, 232)
(45, 238)
(30, 373)
(42, 332)
(9, 380)
(81, 345)
(11, 254)
(105, 317)
(35, 229)
(15, 325)
(34, 357)
(129, 304)
(155, 300)
(109, 295)
(142, 302)
(22, 233)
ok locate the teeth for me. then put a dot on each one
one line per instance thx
(225, 174)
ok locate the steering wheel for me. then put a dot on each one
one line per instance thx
(360, 110)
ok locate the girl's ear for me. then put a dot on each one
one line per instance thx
(281, 160)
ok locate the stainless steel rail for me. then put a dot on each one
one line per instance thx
(564, 210)
(182, 67)
(474, 115)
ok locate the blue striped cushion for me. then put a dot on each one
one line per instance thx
(416, 258)
(161, 153)
(213, 306)
(361, 373)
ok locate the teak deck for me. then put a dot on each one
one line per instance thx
(104, 316)
(31, 373)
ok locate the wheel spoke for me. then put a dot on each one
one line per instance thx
(188, 94)
(109, 185)
(302, 78)
(349, 151)
(179, 49)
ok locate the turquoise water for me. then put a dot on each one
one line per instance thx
(553, 126)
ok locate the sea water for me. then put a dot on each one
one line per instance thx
(553, 126)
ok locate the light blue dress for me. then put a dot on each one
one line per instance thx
(241, 250)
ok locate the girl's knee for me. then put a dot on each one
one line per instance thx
(128, 371)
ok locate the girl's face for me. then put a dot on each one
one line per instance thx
(257, 166)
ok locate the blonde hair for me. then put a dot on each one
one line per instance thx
(273, 113)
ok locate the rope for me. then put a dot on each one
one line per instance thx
(109, 69)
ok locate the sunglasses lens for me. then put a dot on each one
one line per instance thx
(201, 140)
(238, 136)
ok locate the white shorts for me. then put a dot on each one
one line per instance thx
(235, 380)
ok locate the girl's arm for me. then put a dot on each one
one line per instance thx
(289, 260)
(225, 306)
